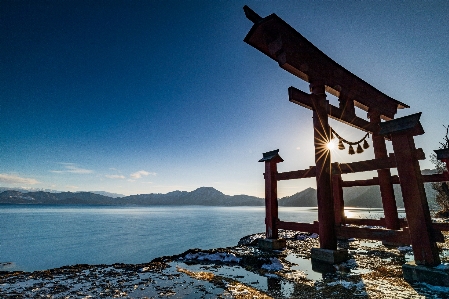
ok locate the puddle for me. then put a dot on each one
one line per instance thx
(173, 284)
(270, 283)
(305, 265)
(444, 256)
(316, 270)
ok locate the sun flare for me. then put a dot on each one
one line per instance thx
(331, 145)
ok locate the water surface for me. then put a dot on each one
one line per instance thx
(42, 237)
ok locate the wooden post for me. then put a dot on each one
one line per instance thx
(385, 182)
(326, 219)
(271, 204)
(417, 211)
(339, 206)
(443, 156)
(346, 105)
(446, 161)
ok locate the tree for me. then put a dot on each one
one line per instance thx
(441, 189)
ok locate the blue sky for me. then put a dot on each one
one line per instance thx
(140, 97)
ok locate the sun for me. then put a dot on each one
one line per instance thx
(332, 145)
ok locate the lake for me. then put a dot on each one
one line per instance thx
(43, 237)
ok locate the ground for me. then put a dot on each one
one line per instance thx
(243, 271)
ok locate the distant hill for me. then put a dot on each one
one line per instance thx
(23, 190)
(305, 198)
(202, 196)
(363, 197)
(110, 194)
(368, 197)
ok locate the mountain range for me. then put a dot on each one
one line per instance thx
(367, 197)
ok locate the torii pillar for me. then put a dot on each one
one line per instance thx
(322, 136)
(385, 183)
(401, 132)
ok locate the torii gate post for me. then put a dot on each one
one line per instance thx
(422, 237)
(385, 183)
(322, 135)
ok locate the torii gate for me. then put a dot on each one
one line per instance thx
(295, 54)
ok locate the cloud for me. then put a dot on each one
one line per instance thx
(115, 176)
(140, 173)
(72, 168)
(15, 179)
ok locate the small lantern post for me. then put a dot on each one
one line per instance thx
(443, 156)
(271, 204)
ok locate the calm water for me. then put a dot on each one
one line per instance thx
(43, 237)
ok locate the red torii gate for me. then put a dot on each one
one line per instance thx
(278, 40)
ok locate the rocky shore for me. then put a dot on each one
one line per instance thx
(243, 271)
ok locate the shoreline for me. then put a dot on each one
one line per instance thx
(242, 271)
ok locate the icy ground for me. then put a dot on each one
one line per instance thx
(243, 271)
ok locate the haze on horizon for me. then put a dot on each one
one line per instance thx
(138, 97)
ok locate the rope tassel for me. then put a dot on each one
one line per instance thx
(365, 144)
(351, 151)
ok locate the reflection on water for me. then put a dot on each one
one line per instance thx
(305, 265)
(365, 213)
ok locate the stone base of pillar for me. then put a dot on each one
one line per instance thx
(271, 244)
(329, 256)
(438, 276)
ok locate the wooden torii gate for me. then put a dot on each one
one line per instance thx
(295, 54)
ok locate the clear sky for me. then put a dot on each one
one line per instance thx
(150, 96)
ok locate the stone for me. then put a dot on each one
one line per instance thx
(329, 256)
(438, 276)
(271, 244)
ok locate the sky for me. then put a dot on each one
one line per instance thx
(137, 97)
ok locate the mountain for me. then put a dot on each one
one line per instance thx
(363, 197)
(367, 197)
(26, 190)
(110, 194)
(202, 196)
(305, 198)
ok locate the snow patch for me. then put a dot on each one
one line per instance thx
(405, 248)
(213, 257)
(351, 264)
(275, 265)
(306, 236)
(348, 284)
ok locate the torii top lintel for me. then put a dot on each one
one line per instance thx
(294, 53)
